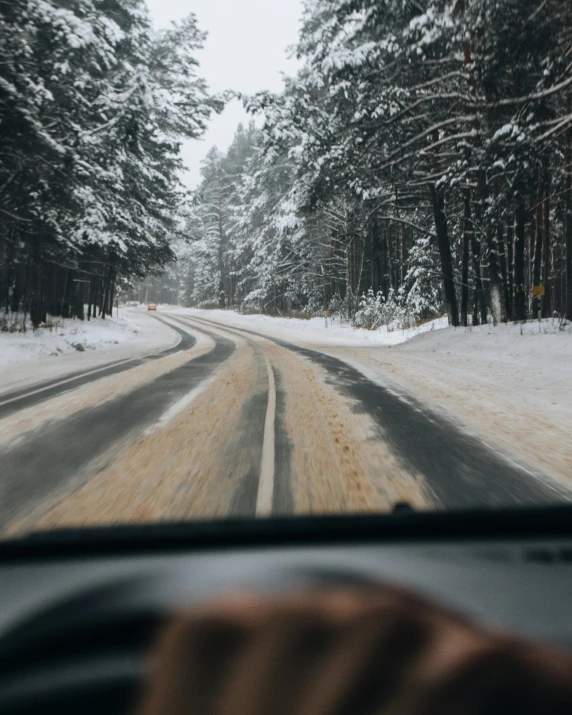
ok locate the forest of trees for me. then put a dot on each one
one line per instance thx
(93, 106)
(419, 162)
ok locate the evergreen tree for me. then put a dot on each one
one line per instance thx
(93, 106)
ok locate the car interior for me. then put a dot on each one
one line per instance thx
(79, 608)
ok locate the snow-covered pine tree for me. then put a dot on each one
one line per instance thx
(93, 105)
(422, 151)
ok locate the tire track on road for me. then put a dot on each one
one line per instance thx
(283, 499)
(60, 455)
(204, 461)
(207, 462)
(28, 397)
(256, 428)
(460, 470)
(326, 459)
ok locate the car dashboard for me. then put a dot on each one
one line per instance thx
(78, 610)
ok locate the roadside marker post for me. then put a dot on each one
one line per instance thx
(538, 292)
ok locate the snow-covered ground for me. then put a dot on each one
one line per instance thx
(44, 354)
(66, 336)
(315, 331)
(510, 385)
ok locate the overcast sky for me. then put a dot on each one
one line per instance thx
(245, 51)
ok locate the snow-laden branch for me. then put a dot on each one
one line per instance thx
(508, 102)
(562, 124)
(15, 217)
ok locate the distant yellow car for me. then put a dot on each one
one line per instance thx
(151, 306)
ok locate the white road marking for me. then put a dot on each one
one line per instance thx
(265, 496)
(69, 379)
(266, 483)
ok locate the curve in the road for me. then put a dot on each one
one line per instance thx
(27, 397)
(55, 455)
(255, 492)
(461, 470)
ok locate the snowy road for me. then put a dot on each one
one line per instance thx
(24, 397)
(233, 422)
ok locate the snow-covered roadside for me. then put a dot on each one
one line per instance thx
(510, 385)
(15, 427)
(36, 356)
(314, 331)
(64, 336)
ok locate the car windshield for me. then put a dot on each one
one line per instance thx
(267, 258)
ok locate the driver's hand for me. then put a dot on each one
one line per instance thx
(378, 651)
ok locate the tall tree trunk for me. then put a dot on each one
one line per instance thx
(64, 308)
(475, 308)
(441, 229)
(395, 249)
(90, 297)
(501, 248)
(467, 230)
(349, 294)
(99, 294)
(372, 263)
(221, 255)
(36, 296)
(11, 287)
(389, 269)
(537, 260)
(495, 282)
(383, 260)
(401, 229)
(568, 224)
(547, 302)
(356, 273)
(519, 241)
(105, 298)
(53, 306)
(501, 251)
(81, 299)
(112, 292)
(480, 303)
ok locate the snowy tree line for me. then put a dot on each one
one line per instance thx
(93, 106)
(421, 156)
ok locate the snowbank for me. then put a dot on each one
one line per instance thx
(509, 384)
(135, 333)
(315, 331)
(66, 336)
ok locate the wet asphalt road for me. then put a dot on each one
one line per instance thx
(58, 453)
(458, 470)
(11, 402)
(461, 471)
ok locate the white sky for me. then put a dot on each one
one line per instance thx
(245, 50)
